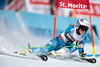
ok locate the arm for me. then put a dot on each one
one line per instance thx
(67, 35)
(79, 45)
(81, 50)
(69, 29)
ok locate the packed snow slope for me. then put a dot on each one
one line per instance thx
(7, 61)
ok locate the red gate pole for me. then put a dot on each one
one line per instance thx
(93, 49)
(54, 32)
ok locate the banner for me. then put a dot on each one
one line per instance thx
(73, 4)
(95, 7)
(16, 5)
(38, 6)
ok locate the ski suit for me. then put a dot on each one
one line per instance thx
(61, 41)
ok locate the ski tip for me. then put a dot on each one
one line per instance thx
(94, 60)
(44, 57)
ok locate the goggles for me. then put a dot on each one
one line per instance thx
(83, 28)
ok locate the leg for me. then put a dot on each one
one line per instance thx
(53, 45)
(49, 47)
(60, 52)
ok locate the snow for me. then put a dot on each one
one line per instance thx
(10, 40)
(8, 61)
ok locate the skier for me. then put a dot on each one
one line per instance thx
(72, 39)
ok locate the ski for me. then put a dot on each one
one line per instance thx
(42, 57)
(90, 60)
(23, 53)
(75, 58)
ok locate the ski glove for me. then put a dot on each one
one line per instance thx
(78, 44)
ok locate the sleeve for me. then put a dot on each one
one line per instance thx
(67, 34)
(69, 29)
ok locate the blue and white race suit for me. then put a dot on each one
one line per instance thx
(61, 41)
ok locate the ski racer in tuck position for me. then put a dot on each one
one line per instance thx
(72, 39)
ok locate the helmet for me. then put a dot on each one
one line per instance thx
(83, 24)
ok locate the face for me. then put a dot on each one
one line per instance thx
(81, 31)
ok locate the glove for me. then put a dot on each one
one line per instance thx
(78, 44)
(82, 56)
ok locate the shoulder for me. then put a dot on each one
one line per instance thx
(69, 28)
(72, 25)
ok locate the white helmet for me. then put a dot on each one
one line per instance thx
(83, 24)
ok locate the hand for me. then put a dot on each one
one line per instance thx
(78, 44)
